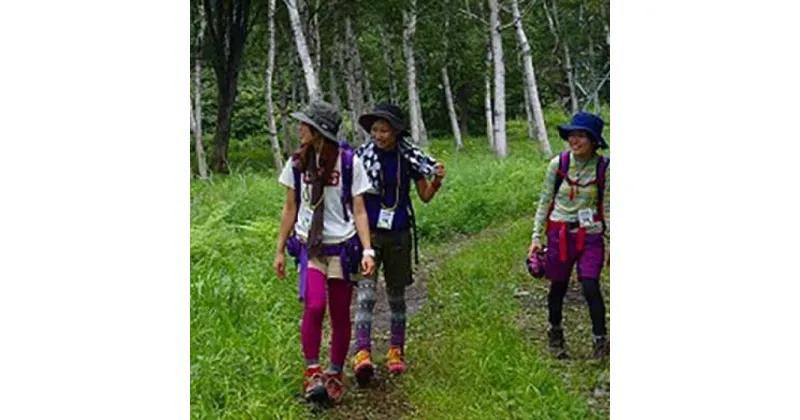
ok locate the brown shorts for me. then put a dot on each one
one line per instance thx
(330, 266)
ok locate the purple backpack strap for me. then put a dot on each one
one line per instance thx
(563, 169)
(296, 174)
(602, 167)
(347, 178)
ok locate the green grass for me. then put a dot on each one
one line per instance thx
(245, 347)
(473, 361)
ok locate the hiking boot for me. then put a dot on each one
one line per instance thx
(555, 338)
(334, 385)
(601, 347)
(363, 367)
(395, 360)
(313, 386)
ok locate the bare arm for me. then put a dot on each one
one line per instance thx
(362, 227)
(287, 220)
(427, 190)
(362, 222)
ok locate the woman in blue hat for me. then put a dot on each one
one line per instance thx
(574, 215)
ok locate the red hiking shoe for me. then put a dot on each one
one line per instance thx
(313, 386)
(334, 384)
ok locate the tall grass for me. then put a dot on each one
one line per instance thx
(245, 355)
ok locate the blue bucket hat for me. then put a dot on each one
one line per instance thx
(585, 121)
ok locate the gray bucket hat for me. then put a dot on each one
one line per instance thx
(322, 116)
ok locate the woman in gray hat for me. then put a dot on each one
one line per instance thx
(393, 165)
(324, 205)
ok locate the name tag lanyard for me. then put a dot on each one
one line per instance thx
(396, 187)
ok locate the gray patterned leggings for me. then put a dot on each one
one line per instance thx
(366, 302)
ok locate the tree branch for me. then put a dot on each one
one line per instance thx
(473, 16)
(578, 84)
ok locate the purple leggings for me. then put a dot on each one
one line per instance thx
(340, 293)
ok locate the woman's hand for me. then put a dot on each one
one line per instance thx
(439, 171)
(535, 247)
(367, 265)
(280, 265)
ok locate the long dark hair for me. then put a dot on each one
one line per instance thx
(327, 159)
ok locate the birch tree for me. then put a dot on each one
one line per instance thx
(312, 82)
(451, 109)
(533, 104)
(197, 115)
(273, 130)
(418, 132)
(354, 86)
(487, 104)
(448, 92)
(499, 80)
(387, 58)
(555, 28)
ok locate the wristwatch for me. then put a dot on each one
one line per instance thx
(368, 252)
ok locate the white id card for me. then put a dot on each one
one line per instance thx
(586, 217)
(385, 219)
(304, 217)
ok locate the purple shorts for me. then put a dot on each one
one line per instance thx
(589, 261)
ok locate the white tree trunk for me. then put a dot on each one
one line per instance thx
(415, 110)
(528, 114)
(593, 74)
(489, 114)
(293, 99)
(199, 148)
(487, 104)
(192, 125)
(349, 84)
(573, 96)
(499, 81)
(317, 40)
(387, 57)
(362, 76)
(285, 125)
(451, 109)
(336, 100)
(595, 98)
(604, 18)
(312, 83)
(273, 130)
(534, 105)
(354, 87)
(368, 89)
(552, 21)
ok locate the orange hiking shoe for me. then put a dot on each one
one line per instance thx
(363, 367)
(334, 385)
(313, 386)
(395, 360)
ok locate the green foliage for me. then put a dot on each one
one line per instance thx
(245, 348)
(479, 366)
(445, 36)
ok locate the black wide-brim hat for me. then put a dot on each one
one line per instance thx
(384, 111)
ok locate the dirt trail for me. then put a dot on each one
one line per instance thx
(384, 397)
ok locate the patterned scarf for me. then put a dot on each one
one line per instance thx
(418, 160)
(318, 199)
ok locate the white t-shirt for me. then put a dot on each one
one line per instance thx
(335, 229)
